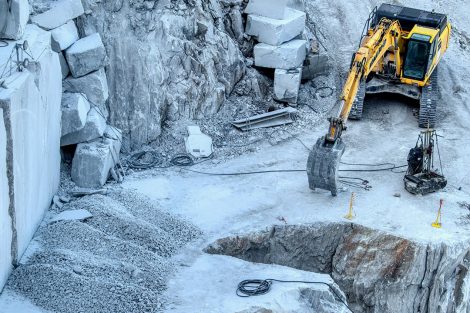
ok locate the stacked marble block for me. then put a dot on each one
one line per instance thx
(85, 87)
(278, 29)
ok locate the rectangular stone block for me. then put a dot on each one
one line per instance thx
(287, 84)
(64, 36)
(275, 32)
(14, 15)
(32, 120)
(60, 13)
(93, 161)
(315, 64)
(268, 8)
(86, 55)
(94, 86)
(75, 110)
(94, 128)
(286, 56)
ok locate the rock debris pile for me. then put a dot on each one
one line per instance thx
(118, 260)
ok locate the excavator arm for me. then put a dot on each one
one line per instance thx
(324, 159)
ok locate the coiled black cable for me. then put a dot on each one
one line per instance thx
(137, 160)
(257, 287)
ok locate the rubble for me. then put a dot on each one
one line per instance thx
(268, 8)
(286, 56)
(93, 160)
(14, 15)
(60, 13)
(64, 36)
(198, 144)
(75, 110)
(275, 32)
(94, 128)
(86, 55)
(287, 84)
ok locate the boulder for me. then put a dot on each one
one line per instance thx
(94, 160)
(275, 32)
(74, 112)
(59, 14)
(94, 128)
(64, 36)
(286, 56)
(94, 86)
(64, 67)
(287, 84)
(14, 15)
(86, 55)
(268, 8)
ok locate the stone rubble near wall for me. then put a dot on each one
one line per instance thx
(74, 112)
(14, 15)
(94, 86)
(64, 36)
(94, 128)
(275, 32)
(286, 56)
(274, 9)
(93, 161)
(60, 13)
(287, 84)
(86, 55)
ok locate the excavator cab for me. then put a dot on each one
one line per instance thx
(417, 57)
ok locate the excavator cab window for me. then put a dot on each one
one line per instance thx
(417, 56)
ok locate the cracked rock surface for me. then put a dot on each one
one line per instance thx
(167, 60)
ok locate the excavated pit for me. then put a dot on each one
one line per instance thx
(379, 272)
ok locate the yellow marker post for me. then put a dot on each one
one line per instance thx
(351, 214)
(438, 223)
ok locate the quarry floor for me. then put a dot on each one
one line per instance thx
(228, 205)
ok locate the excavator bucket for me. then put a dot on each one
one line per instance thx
(323, 163)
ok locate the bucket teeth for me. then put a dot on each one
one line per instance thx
(323, 163)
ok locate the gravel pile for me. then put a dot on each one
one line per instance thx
(116, 261)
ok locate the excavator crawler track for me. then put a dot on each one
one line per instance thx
(358, 104)
(428, 103)
(323, 163)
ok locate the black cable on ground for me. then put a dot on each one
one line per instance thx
(182, 159)
(257, 287)
(137, 160)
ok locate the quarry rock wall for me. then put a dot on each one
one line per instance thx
(168, 60)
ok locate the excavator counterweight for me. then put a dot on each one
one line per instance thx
(401, 48)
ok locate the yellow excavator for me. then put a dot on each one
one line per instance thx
(399, 52)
